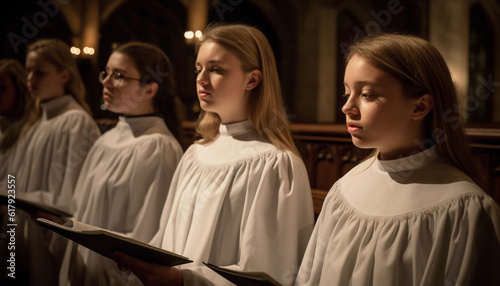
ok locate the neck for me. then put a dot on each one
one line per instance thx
(140, 111)
(232, 119)
(143, 115)
(51, 98)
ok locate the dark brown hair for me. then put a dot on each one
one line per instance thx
(154, 66)
(26, 107)
(421, 69)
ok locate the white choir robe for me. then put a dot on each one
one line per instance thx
(122, 187)
(6, 164)
(57, 148)
(240, 203)
(410, 221)
(4, 157)
(46, 165)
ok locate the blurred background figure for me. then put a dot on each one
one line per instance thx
(53, 153)
(125, 178)
(18, 112)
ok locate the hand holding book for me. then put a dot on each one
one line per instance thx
(244, 278)
(149, 273)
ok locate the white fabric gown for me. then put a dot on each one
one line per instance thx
(4, 157)
(240, 203)
(57, 147)
(411, 221)
(122, 188)
(46, 165)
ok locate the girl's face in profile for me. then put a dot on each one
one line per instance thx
(122, 88)
(378, 114)
(44, 80)
(221, 83)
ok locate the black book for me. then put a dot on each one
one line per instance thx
(106, 242)
(243, 278)
(17, 201)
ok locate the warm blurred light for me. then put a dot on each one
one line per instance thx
(88, 50)
(75, 51)
(188, 34)
(198, 34)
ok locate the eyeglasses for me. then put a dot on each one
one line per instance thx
(116, 77)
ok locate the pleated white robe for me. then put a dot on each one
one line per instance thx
(122, 187)
(240, 203)
(46, 165)
(411, 221)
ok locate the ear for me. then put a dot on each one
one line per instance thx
(254, 79)
(422, 106)
(151, 89)
(64, 76)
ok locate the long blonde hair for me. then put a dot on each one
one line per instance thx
(58, 54)
(421, 69)
(265, 111)
(26, 109)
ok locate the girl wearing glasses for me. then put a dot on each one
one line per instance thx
(240, 197)
(48, 161)
(415, 212)
(126, 176)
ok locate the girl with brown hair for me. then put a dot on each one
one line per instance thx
(415, 212)
(125, 178)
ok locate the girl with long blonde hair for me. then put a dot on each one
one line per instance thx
(240, 197)
(54, 152)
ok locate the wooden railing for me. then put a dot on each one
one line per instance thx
(328, 154)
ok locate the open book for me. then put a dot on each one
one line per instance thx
(20, 202)
(106, 242)
(242, 278)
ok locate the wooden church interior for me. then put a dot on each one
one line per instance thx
(308, 38)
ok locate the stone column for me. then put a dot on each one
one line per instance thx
(449, 32)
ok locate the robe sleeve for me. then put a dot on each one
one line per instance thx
(277, 223)
(149, 188)
(481, 259)
(311, 266)
(77, 133)
(464, 249)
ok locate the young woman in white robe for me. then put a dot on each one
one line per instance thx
(125, 178)
(18, 112)
(56, 146)
(240, 197)
(60, 141)
(414, 213)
